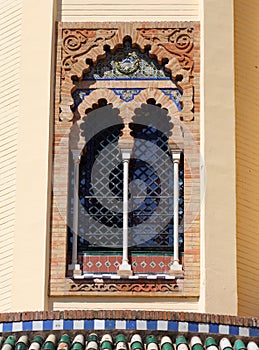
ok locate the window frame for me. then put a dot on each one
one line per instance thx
(113, 35)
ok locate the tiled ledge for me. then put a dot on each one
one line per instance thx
(129, 320)
(138, 325)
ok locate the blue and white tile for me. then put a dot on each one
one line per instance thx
(203, 328)
(78, 324)
(223, 329)
(58, 324)
(99, 324)
(162, 325)
(17, 327)
(141, 325)
(120, 324)
(183, 327)
(244, 331)
(37, 325)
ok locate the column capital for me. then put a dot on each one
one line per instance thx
(176, 156)
(76, 155)
(126, 143)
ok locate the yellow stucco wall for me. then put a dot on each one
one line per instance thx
(10, 46)
(218, 218)
(29, 278)
(247, 136)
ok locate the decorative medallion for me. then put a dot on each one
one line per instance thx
(128, 64)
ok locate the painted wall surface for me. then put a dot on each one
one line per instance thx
(247, 128)
(219, 206)
(30, 239)
(135, 10)
(10, 46)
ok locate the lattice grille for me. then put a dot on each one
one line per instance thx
(100, 191)
(150, 192)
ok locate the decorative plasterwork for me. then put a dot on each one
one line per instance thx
(77, 43)
(80, 44)
(126, 286)
(174, 44)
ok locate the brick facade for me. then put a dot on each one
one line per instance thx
(176, 43)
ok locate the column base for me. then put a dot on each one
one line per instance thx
(125, 270)
(176, 269)
(74, 270)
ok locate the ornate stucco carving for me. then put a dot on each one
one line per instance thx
(173, 44)
(125, 286)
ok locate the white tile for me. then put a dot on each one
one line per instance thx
(17, 326)
(78, 324)
(141, 325)
(1, 327)
(244, 331)
(183, 327)
(99, 324)
(120, 324)
(203, 328)
(37, 325)
(57, 324)
(223, 329)
(162, 325)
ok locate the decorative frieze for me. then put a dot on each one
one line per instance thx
(82, 44)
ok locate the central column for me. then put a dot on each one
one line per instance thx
(126, 144)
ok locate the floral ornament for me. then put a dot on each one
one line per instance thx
(128, 64)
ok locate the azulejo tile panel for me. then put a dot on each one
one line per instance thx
(138, 325)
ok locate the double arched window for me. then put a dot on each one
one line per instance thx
(144, 226)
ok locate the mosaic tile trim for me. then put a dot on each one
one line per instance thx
(145, 325)
(128, 63)
(127, 95)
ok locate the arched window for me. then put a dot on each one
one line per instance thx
(126, 169)
(99, 237)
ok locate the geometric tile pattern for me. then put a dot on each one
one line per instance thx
(138, 325)
(140, 264)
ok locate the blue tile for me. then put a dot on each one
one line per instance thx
(47, 325)
(193, 327)
(7, 327)
(151, 325)
(68, 324)
(233, 330)
(89, 324)
(214, 328)
(109, 324)
(131, 324)
(27, 326)
(254, 332)
(173, 325)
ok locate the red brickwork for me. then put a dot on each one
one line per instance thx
(178, 44)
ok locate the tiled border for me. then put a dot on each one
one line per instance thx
(138, 325)
(130, 320)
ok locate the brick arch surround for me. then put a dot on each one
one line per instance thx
(171, 42)
(177, 45)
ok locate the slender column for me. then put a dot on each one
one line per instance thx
(75, 267)
(176, 267)
(125, 144)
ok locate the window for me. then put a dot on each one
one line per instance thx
(98, 232)
(127, 106)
